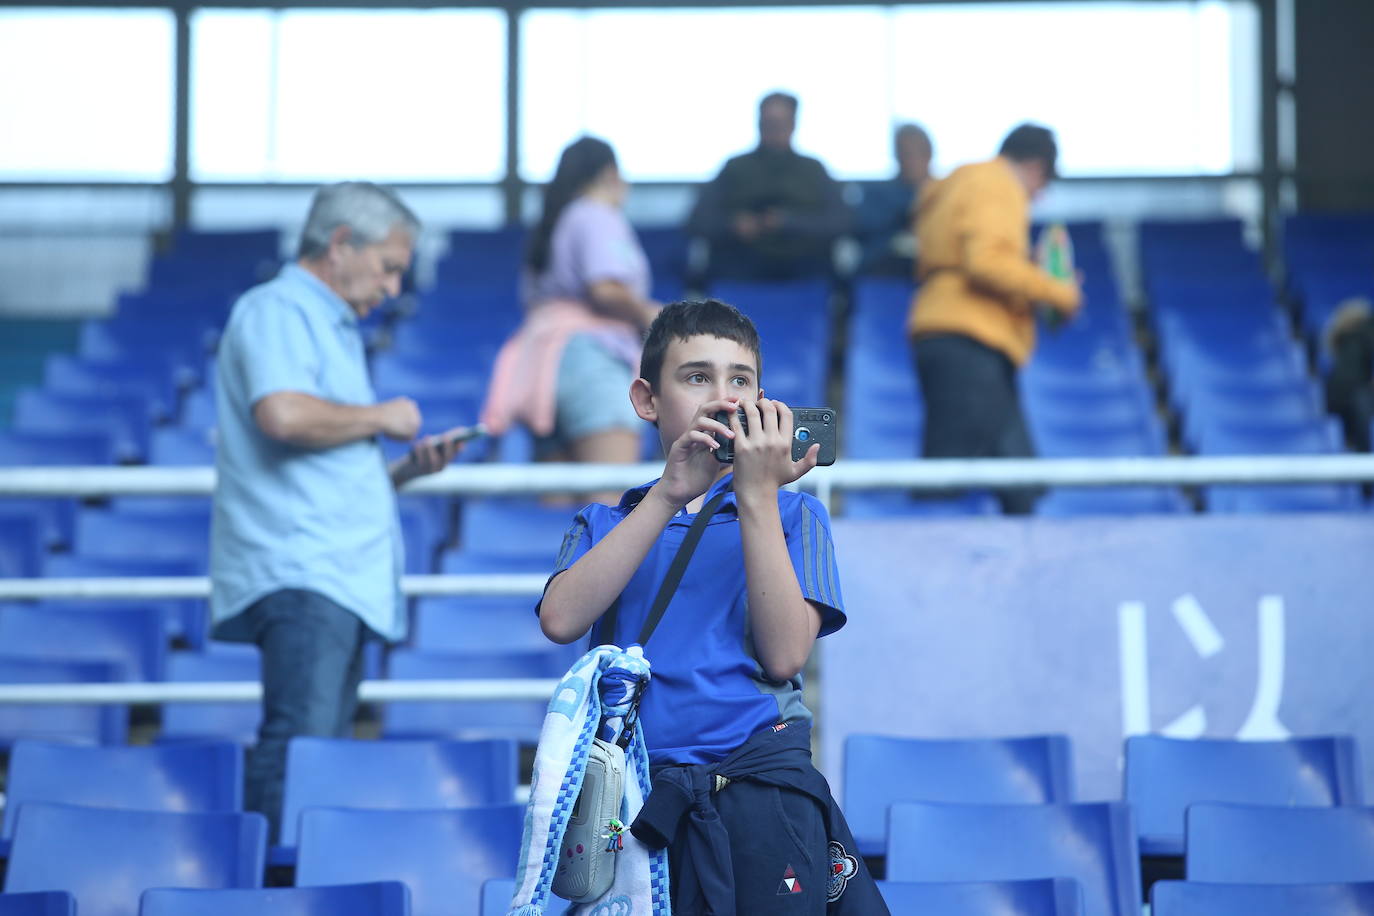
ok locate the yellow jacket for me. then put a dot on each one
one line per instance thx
(972, 234)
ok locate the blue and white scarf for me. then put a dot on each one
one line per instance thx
(591, 701)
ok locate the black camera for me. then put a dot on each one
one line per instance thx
(810, 425)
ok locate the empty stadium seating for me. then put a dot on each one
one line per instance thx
(443, 856)
(38, 903)
(1259, 844)
(1092, 843)
(105, 857)
(1165, 775)
(1196, 898)
(379, 898)
(1033, 897)
(880, 770)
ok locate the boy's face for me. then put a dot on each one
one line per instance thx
(696, 370)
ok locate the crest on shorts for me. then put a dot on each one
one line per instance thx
(843, 866)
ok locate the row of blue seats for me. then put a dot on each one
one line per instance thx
(998, 825)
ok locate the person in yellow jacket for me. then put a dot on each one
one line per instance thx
(972, 321)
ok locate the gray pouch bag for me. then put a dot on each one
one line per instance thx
(586, 866)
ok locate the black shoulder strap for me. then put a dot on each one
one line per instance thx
(606, 626)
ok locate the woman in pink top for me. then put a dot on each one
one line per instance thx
(566, 373)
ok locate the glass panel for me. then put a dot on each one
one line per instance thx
(406, 95)
(86, 95)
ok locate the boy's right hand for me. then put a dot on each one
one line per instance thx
(692, 467)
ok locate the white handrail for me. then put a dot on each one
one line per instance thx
(931, 475)
(465, 691)
(500, 584)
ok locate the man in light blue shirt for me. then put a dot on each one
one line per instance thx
(306, 550)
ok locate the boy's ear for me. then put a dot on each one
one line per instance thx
(642, 397)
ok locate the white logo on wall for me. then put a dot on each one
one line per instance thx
(1263, 720)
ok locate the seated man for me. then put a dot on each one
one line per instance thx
(771, 214)
(886, 215)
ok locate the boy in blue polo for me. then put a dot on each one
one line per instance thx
(749, 821)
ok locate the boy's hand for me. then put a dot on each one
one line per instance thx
(692, 467)
(763, 454)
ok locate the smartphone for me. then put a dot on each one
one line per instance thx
(810, 425)
(466, 434)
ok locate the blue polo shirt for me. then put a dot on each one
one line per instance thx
(709, 693)
(288, 517)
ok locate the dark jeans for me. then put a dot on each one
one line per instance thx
(973, 407)
(312, 662)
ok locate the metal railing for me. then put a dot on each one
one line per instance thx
(488, 480)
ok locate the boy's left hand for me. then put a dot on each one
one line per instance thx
(763, 452)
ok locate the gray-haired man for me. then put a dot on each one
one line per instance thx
(306, 551)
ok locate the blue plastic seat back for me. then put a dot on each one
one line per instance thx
(184, 777)
(173, 446)
(1097, 501)
(1257, 844)
(880, 770)
(237, 722)
(379, 898)
(1197, 898)
(106, 857)
(105, 724)
(74, 448)
(21, 544)
(185, 617)
(517, 719)
(1165, 775)
(518, 528)
(181, 536)
(497, 894)
(152, 379)
(1036, 897)
(442, 856)
(38, 903)
(330, 772)
(478, 624)
(132, 639)
(1094, 843)
(126, 419)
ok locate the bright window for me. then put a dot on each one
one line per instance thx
(86, 95)
(307, 95)
(1137, 88)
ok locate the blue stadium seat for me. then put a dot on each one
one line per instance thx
(176, 343)
(21, 544)
(228, 245)
(1165, 775)
(186, 618)
(151, 379)
(114, 534)
(666, 250)
(520, 720)
(497, 894)
(237, 722)
(880, 504)
(880, 770)
(185, 777)
(105, 857)
(478, 624)
(324, 772)
(132, 639)
(436, 375)
(38, 903)
(198, 410)
(126, 419)
(380, 898)
(519, 528)
(1094, 501)
(442, 856)
(177, 447)
(106, 724)
(1256, 844)
(1196, 898)
(75, 448)
(1093, 843)
(1033, 897)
